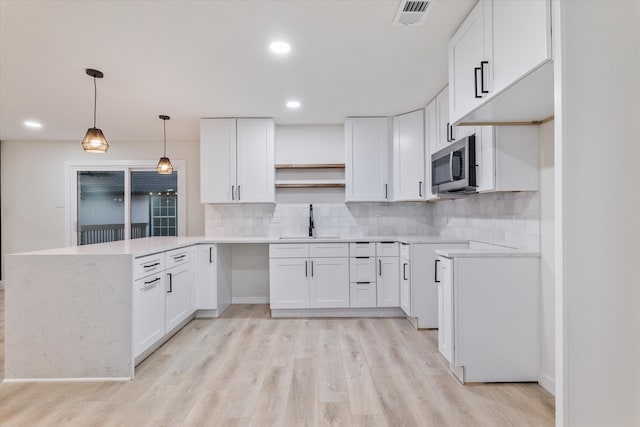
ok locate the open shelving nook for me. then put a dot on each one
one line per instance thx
(320, 175)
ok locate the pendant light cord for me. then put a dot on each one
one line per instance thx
(95, 100)
(164, 123)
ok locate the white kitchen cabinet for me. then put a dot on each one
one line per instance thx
(447, 133)
(177, 297)
(466, 55)
(388, 281)
(148, 312)
(206, 290)
(444, 279)
(489, 317)
(362, 269)
(289, 283)
(367, 144)
(329, 283)
(405, 286)
(499, 44)
(362, 294)
(508, 158)
(237, 161)
(309, 275)
(408, 156)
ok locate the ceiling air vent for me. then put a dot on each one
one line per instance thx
(411, 12)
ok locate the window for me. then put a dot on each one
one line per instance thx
(110, 201)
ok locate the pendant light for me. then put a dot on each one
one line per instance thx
(94, 141)
(164, 165)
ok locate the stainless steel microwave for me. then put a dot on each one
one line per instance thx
(453, 169)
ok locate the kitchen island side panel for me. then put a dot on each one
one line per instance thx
(68, 317)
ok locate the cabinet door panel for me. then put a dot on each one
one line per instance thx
(148, 312)
(206, 294)
(445, 308)
(466, 51)
(177, 298)
(329, 285)
(289, 282)
(217, 160)
(363, 294)
(405, 286)
(362, 269)
(367, 159)
(442, 106)
(255, 160)
(521, 39)
(408, 146)
(388, 282)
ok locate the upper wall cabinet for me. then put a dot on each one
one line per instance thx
(508, 158)
(237, 161)
(499, 63)
(367, 159)
(408, 156)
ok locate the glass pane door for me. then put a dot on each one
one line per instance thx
(154, 204)
(101, 207)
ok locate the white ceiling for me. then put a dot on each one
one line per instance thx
(193, 59)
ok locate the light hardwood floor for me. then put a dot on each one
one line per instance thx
(246, 369)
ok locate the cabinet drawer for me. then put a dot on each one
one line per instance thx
(362, 249)
(324, 250)
(289, 250)
(362, 269)
(387, 249)
(147, 265)
(362, 294)
(177, 257)
(405, 251)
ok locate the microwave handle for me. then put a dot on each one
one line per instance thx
(451, 167)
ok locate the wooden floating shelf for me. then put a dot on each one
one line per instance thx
(310, 166)
(309, 185)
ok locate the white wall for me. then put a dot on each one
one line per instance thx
(547, 258)
(33, 185)
(597, 119)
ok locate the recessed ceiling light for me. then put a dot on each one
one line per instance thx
(293, 104)
(32, 124)
(280, 47)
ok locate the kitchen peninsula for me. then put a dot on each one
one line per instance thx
(93, 312)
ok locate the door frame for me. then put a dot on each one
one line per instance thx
(127, 166)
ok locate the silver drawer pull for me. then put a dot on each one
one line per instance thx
(152, 281)
(178, 257)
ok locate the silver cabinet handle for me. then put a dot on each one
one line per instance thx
(311, 268)
(170, 283)
(151, 265)
(152, 281)
(238, 192)
(386, 191)
(233, 191)
(306, 269)
(210, 254)
(380, 267)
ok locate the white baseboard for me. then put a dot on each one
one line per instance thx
(249, 300)
(548, 383)
(63, 380)
(337, 312)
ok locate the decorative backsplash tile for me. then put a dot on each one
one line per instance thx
(510, 219)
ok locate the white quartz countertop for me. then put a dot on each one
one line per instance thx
(150, 245)
(485, 252)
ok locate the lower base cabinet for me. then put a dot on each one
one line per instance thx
(329, 283)
(177, 298)
(363, 294)
(489, 315)
(298, 280)
(149, 312)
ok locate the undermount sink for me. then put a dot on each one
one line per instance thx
(308, 238)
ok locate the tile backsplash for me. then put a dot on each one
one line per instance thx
(511, 219)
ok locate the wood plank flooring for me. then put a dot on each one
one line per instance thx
(246, 369)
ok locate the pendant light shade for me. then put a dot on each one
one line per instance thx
(94, 140)
(164, 165)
